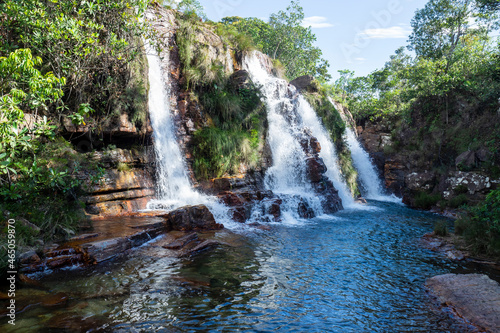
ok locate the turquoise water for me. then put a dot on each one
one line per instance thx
(355, 271)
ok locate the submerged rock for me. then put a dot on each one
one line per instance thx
(474, 297)
(203, 246)
(181, 242)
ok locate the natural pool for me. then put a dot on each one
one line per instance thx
(356, 271)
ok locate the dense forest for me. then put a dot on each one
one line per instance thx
(82, 62)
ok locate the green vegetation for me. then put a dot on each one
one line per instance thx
(481, 226)
(441, 229)
(237, 133)
(234, 130)
(424, 200)
(332, 120)
(61, 60)
(285, 39)
(454, 59)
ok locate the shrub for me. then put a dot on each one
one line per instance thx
(441, 228)
(481, 226)
(425, 200)
(458, 201)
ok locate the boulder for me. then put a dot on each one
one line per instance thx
(191, 218)
(423, 181)
(240, 79)
(315, 169)
(305, 82)
(474, 182)
(483, 155)
(241, 213)
(203, 246)
(466, 159)
(305, 211)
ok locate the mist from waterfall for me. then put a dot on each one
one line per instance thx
(290, 116)
(174, 188)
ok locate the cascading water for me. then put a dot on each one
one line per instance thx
(370, 183)
(328, 152)
(290, 117)
(173, 186)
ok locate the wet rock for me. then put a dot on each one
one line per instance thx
(394, 174)
(106, 249)
(315, 169)
(203, 246)
(182, 241)
(240, 79)
(241, 214)
(29, 258)
(361, 200)
(231, 198)
(260, 226)
(474, 297)
(72, 322)
(274, 208)
(84, 236)
(145, 236)
(330, 200)
(229, 183)
(310, 145)
(64, 261)
(27, 281)
(305, 211)
(192, 218)
(52, 300)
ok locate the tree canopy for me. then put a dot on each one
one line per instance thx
(284, 38)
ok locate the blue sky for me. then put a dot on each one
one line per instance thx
(359, 35)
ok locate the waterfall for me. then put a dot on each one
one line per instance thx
(291, 119)
(174, 188)
(370, 184)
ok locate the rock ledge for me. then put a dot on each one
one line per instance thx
(474, 297)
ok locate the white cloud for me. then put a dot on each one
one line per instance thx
(385, 33)
(360, 59)
(316, 22)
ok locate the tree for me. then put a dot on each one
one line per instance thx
(22, 86)
(188, 7)
(89, 43)
(439, 27)
(283, 38)
(442, 26)
(343, 82)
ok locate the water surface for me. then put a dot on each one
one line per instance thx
(355, 271)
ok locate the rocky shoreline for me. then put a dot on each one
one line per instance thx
(473, 297)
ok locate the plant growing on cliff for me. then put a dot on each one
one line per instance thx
(481, 225)
(237, 138)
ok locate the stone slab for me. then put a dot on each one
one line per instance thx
(474, 297)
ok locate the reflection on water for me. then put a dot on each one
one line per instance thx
(359, 270)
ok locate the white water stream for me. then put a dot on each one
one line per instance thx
(290, 116)
(370, 183)
(174, 188)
